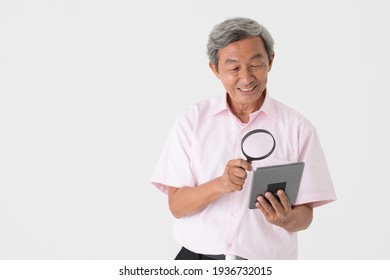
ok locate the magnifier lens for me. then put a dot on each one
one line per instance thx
(258, 144)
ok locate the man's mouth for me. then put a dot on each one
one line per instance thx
(248, 90)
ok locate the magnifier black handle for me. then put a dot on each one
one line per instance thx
(248, 157)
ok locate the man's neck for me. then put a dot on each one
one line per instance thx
(243, 111)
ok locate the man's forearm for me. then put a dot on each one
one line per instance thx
(186, 201)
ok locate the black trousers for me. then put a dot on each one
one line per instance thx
(186, 254)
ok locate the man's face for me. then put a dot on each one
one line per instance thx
(243, 68)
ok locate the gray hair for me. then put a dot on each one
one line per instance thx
(236, 29)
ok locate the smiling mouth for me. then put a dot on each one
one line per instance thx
(247, 90)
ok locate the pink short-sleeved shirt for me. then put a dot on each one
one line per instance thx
(201, 142)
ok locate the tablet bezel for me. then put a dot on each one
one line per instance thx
(262, 177)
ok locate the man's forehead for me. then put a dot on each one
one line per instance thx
(234, 59)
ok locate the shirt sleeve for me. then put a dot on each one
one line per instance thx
(174, 165)
(316, 184)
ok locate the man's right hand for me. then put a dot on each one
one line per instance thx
(234, 175)
(188, 200)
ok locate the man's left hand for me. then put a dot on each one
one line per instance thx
(275, 212)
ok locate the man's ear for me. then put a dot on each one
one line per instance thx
(271, 61)
(214, 68)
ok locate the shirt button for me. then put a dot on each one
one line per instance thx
(229, 245)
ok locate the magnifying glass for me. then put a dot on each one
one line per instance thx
(259, 144)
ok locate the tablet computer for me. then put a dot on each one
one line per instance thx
(286, 177)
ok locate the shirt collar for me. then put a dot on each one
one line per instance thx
(268, 106)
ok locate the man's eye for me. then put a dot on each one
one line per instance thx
(256, 66)
(234, 69)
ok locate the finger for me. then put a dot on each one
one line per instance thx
(247, 165)
(265, 205)
(261, 208)
(232, 183)
(237, 180)
(236, 187)
(274, 201)
(239, 172)
(284, 201)
(230, 186)
(276, 206)
(240, 163)
(259, 204)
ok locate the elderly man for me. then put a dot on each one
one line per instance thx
(203, 170)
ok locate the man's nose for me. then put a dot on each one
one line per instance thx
(246, 75)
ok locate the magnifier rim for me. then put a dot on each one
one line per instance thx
(248, 157)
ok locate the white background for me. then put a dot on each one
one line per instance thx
(90, 89)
